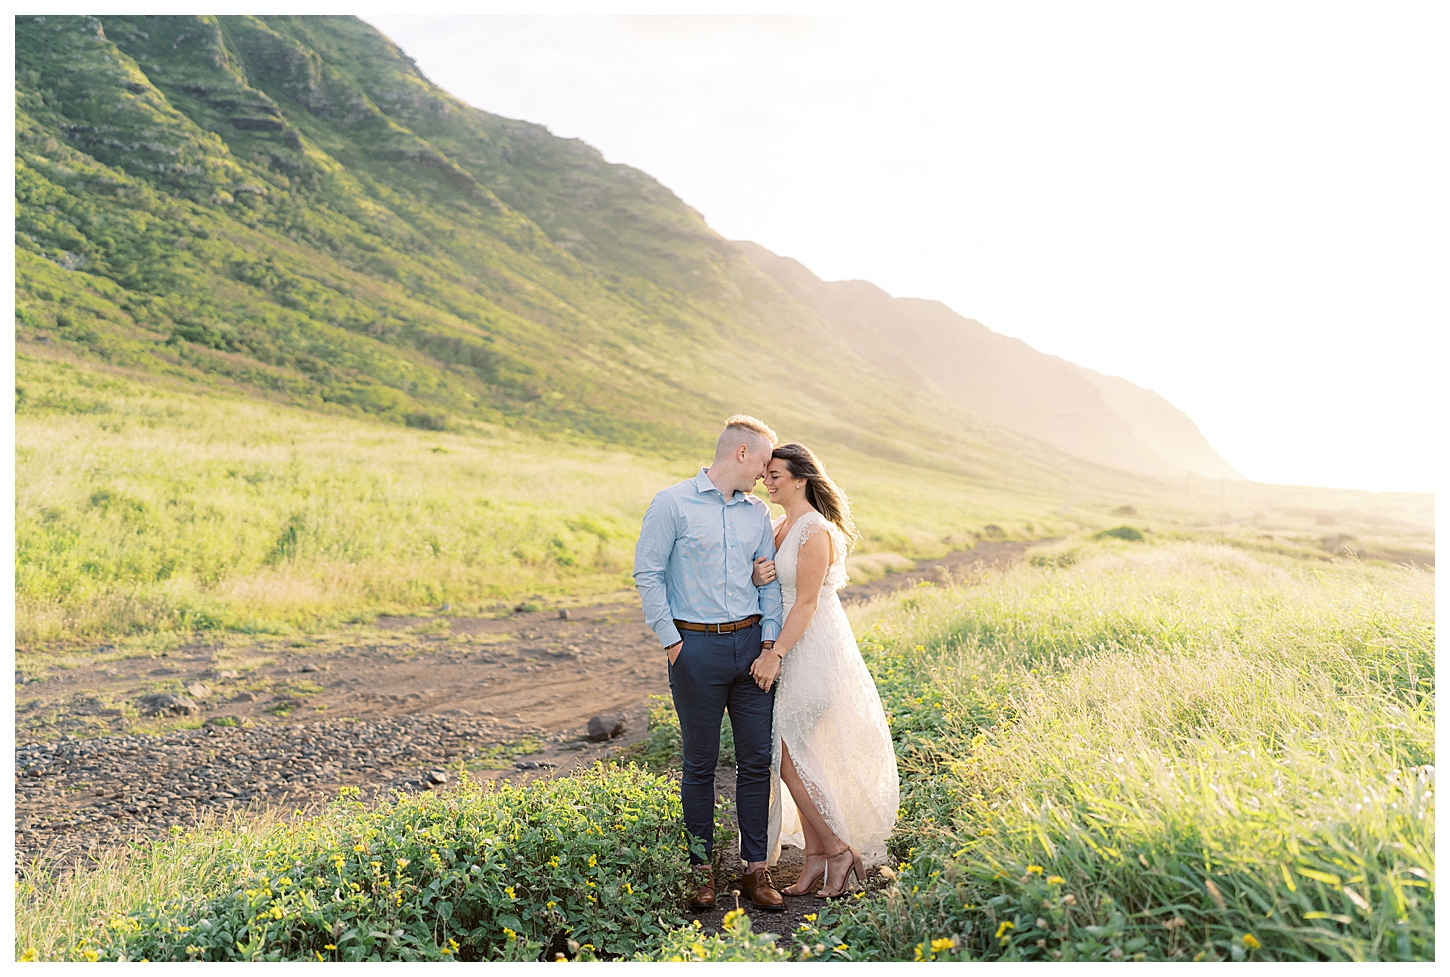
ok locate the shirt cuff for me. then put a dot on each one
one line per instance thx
(769, 631)
(668, 635)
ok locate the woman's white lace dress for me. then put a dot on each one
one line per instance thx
(829, 715)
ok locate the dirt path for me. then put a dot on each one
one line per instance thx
(407, 703)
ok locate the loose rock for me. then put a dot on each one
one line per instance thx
(198, 690)
(605, 727)
(167, 704)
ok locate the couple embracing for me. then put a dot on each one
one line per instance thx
(747, 612)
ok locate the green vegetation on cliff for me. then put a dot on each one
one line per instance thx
(287, 204)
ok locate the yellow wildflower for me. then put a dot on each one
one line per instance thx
(1056, 880)
(1251, 941)
(509, 891)
(402, 863)
(358, 848)
(1004, 926)
(330, 946)
(945, 943)
(732, 916)
(809, 917)
(1034, 870)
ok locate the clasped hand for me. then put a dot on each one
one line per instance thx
(765, 669)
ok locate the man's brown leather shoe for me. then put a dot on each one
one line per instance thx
(703, 899)
(758, 889)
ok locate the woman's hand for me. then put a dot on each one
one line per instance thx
(763, 573)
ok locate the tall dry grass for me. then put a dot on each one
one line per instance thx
(1172, 753)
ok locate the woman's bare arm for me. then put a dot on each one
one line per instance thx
(810, 573)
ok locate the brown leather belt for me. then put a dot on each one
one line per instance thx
(726, 628)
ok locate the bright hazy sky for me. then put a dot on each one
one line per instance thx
(1241, 208)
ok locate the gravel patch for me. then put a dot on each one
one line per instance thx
(73, 796)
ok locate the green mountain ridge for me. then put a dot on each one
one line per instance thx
(286, 205)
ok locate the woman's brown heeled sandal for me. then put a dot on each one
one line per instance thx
(854, 867)
(803, 885)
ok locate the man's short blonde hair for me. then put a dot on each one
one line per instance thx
(742, 428)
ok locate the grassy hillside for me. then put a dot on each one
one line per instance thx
(148, 507)
(287, 204)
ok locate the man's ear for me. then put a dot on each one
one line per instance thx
(741, 453)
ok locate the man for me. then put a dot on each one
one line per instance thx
(692, 565)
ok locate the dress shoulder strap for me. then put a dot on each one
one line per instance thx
(814, 522)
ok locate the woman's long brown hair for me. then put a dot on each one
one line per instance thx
(822, 493)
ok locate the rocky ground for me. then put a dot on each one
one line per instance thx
(407, 704)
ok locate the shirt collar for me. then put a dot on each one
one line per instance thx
(703, 484)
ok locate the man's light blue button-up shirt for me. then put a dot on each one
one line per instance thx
(696, 552)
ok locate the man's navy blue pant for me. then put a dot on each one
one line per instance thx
(710, 675)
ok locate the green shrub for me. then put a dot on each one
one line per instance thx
(1130, 533)
(482, 873)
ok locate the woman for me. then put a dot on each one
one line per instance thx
(832, 745)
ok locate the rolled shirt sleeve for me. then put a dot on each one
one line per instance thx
(770, 602)
(657, 537)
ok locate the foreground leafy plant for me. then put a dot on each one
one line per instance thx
(734, 943)
(483, 873)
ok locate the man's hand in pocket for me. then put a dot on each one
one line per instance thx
(673, 651)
